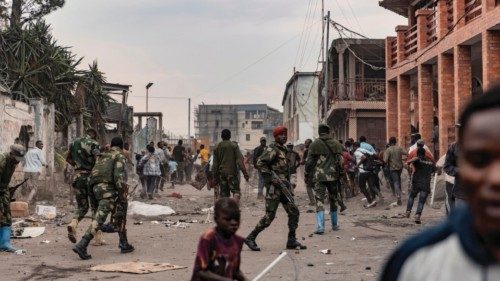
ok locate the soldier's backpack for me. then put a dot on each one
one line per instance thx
(370, 163)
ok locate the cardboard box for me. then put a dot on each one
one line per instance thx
(19, 209)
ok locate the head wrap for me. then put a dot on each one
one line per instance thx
(279, 130)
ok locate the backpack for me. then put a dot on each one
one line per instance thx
(370, 163)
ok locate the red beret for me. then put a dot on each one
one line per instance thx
(279, 130)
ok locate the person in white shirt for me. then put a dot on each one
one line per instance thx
(33, 163)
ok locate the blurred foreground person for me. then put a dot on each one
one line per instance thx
(467, 245)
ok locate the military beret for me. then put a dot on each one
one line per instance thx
(279, 131)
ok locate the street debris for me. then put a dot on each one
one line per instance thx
(45, 242)
(49, 212)
(338, 237)
(310, 264)
(175, 195)
(326, 251)
(136, 267)
(329, 263)
(148, 210)
(27, 232)
(208, 210)
(352, 239)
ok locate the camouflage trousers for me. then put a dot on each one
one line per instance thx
(84, 195)
(5, 215)
(321, 189)
(229, 184)
(106, 196)
(272, 203)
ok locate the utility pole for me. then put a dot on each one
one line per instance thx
(147, 95)
(323, 29)
(327, 72)
(189, 119)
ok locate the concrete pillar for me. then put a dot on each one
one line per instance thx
(463, 78)
(342, 86)
(458, 12)
(388, 51)
(441, 18)
(391, 110)
(400, 37)
(488, 5)
(425, 106)
(352, 77)
(403, 88)
(446, 98)
(491, 58)
(422, 29)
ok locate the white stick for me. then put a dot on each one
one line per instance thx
(433, 191)
(269, 267)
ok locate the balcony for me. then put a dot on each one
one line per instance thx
(411, 41)
(357, 90)
(473, 9)
(432, 27)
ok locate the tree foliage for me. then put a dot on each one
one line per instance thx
(20, 12)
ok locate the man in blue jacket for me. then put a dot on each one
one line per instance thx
(467, 245)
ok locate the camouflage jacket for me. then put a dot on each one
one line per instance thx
(83, 153)
(7, 168)
(227, 159)
(274, 159)
(320, 162)
(109, 168)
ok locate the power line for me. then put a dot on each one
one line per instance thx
(308, 36)
(354, 14)
(343, 14)
(303, 30)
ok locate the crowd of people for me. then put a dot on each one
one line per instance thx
(464, 247)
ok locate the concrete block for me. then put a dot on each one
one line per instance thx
(19, 209)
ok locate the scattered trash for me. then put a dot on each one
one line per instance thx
(310, 264)
(49, 212)
(45, 242)
(19, 209)
(303, 238)
(338, 237)
(181, 225)
(329, 263)
(208, 210)
(155, 222)
(368, 268)
(363, 199)
(138, 223)
(311, 235)
(393, 204)
(175, 195)
(151, 210)
(352, 239)
(28, 232)
(395, 241)
(326, 251)
(136, 267)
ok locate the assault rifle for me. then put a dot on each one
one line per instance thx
(118, 220)
(284, 187)
(13, 189)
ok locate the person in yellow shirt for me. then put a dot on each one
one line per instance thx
(203, 155)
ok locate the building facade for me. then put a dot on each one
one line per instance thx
(247, 123)
(448, 52)
(300, 107)
(355, 104)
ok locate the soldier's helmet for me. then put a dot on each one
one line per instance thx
(18, 151)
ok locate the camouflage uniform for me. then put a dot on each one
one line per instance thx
(274, 159)
(325, 169)
(7, 168)
(107, 181)
(228, 160)
(83, 152)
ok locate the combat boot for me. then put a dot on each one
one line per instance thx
(250, 241)
(343, 207)
(99, 239)
(293, 244)
(81, 247)
(72, 230)
(124, 246)
(417, 219)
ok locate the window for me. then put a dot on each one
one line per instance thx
(243, 125)
(216, 123)
(248, 137)
(256, 125)
(230, 122)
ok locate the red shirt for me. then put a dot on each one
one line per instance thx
(217, 254)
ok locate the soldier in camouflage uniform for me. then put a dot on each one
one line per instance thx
(324, 164)
(108, 184)
(8, 164)
(274, 159)
(82, 154)
(228, 160)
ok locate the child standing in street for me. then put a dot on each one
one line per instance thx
(219, 249)
(422, 169)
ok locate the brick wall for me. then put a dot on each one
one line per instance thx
(463, 78)
(446, 99)
(425, 105)
(491, 58)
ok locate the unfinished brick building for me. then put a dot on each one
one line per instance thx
(448, 52)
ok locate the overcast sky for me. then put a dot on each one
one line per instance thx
(194, 48)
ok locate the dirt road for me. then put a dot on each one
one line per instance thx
(359, 248)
